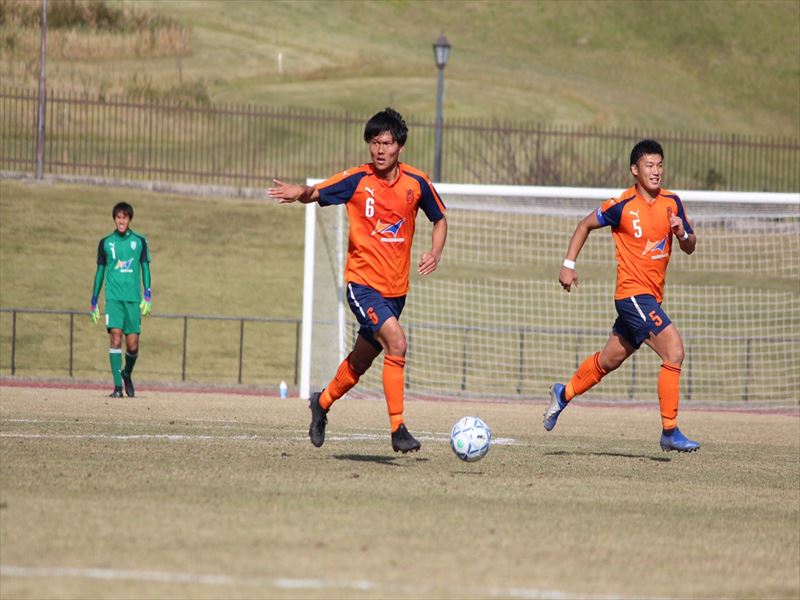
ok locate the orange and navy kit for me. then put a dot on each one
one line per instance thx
(382, 219)
(643, 240)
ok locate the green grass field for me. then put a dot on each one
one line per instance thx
(212, 495)
(711, 66)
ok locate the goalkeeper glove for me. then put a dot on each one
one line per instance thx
(94, 314)
(146, 305)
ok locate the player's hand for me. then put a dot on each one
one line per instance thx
(286, 192)
(146, 305)
(94, 312)
(675, 223)
(567, 278)
(427, 264)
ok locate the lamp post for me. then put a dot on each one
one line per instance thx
(441, 52)
(40, 112)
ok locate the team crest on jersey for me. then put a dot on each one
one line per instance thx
(124, 266)
(657, 248)
(409, 196)
(133, 245)
(386, 229)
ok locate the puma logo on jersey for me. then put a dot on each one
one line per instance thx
(635, 213)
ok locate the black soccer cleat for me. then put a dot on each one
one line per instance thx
(403, 441)
(319, 419)
(117, 393)
(126, 379)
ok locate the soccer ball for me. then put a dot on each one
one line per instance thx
(470, 439)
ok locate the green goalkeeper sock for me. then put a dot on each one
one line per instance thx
(130, 361)
(115, 358)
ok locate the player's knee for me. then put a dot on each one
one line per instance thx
(360, 364)
(398, 346)
(675, 355)
(394, 343)
(611, 360)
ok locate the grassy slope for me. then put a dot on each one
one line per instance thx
(250, 267)
(198, 266)
(708, 66)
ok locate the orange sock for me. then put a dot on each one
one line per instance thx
(585, 378)
(394, 388)
(341, 383)
(669, 393)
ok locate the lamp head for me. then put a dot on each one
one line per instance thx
(441, 51)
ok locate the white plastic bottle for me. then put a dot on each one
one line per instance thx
(284, 389)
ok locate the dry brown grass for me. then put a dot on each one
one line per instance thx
(72, 44)
(204, 495)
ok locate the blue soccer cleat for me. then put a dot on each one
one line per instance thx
(557, 404)
(677, 441)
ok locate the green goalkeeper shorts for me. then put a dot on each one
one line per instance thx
(123, 315)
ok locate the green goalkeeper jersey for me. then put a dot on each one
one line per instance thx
(126, 262)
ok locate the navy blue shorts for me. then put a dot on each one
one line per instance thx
(637, 317)
(372, 310)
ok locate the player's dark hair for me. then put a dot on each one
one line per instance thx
(387, 120)
(122, 207)
(646, 147)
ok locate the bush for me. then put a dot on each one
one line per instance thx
(93, 15)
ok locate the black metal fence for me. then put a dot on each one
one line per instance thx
(247, 146)
(61, 360)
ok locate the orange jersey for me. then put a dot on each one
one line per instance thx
(382, 219)
(643, 239)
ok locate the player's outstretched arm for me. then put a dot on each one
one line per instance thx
(292, 192)
(94, 312)
(568, 275)
(430, 260)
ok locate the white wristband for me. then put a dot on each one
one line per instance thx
(570, 264)
(685, 236)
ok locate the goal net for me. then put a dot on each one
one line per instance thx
(493, 321)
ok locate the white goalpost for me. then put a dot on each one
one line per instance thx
(493, 321)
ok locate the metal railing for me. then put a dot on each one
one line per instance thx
(517, 369)
(184, 338)
(247, 146)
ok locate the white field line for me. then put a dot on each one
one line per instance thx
(359, 435)
(281, 583)
(200, 438)
(125, 438)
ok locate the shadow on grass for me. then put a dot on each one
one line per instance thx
(375, 458)
(619, 454)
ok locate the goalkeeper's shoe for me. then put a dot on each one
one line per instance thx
(117, 393)
(675, 440)
(403, 441)
(557, 403)
(126, 379)
(319, 419)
